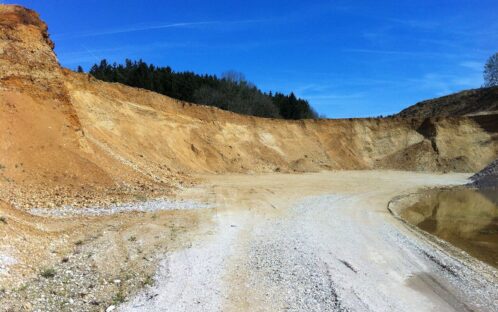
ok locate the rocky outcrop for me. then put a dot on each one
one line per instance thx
(27, 60)
(44, 154)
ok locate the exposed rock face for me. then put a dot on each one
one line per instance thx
(67, 133)
(192, 138)
(27, 60)
(43, 151)
(13, 16)
(465, 103)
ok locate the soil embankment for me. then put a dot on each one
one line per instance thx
(66, 135)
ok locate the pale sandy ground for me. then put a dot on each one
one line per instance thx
(314, 242)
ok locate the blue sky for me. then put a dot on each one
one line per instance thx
(348, 58)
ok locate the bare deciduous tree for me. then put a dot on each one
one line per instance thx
(491, 71)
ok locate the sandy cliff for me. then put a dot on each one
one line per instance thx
(68, 134)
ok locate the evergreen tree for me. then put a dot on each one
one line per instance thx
(230, 92)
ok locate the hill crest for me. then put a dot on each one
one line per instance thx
(465, 103)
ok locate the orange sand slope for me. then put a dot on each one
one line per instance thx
(68, 134)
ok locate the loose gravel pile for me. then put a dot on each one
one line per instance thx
(291, 275)
(75, 284)
(5, 261)
(486, 178)
(147, 206)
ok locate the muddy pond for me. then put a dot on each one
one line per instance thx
(468, 219)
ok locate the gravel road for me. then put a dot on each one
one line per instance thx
(322, 242)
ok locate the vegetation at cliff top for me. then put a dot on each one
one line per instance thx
(230, 92)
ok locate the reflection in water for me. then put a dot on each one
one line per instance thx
(466, 218)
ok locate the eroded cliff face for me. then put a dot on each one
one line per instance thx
(194, 138)
(27, 60)
(44, 154)
(67, 133)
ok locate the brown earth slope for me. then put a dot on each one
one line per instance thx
(466, 103)
(68, 138)
(191, 138)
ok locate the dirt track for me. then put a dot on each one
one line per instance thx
(274, 242)
(314, 242)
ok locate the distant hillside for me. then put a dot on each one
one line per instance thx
(465, 103)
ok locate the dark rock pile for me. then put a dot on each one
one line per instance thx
(486, 178)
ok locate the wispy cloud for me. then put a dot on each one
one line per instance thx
(417, 24)
(443, 84)
(476, 66)
(119, 52)
(152, 27)
(124, 30)
(402, 53)
(325, 91)
(336, 96)
(89, 55)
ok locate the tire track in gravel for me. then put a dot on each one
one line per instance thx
(337, 252)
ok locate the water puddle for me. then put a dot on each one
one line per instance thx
(468, 219)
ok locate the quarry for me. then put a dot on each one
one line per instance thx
(119, 198)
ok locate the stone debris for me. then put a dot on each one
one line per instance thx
(147, 206)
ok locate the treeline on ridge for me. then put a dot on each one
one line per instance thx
(230, 92)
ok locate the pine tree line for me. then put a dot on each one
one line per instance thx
(230, 92)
